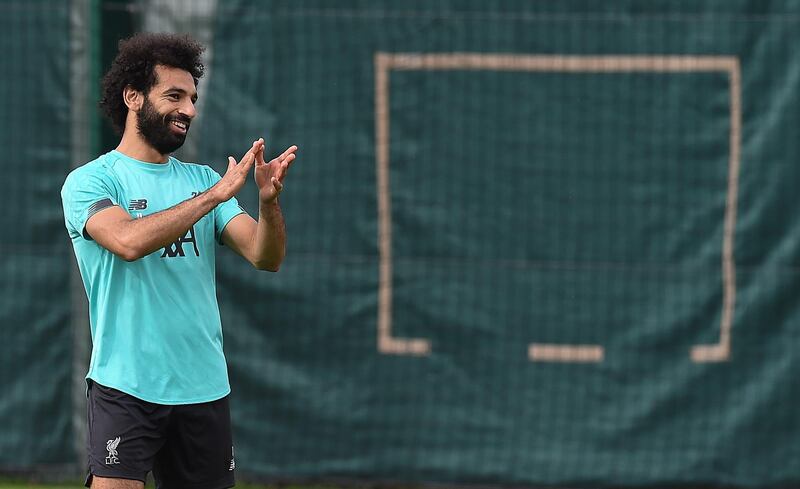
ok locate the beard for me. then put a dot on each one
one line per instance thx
(155, 128)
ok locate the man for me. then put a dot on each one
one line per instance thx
(143, 226)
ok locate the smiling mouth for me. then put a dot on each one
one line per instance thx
(179, 126)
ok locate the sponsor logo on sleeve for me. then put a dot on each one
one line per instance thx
(137, 205)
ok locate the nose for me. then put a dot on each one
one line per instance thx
(188, 109)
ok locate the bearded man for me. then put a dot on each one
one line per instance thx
(143, 227)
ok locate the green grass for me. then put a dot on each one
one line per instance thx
(79, 485)
(29, 485)
(10, 482)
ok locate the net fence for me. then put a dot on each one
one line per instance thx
(529, 243)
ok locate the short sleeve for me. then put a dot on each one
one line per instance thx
(82, 196)
(225, 211)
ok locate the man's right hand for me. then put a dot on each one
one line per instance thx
(236, 174)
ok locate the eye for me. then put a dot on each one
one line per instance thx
(173, 96)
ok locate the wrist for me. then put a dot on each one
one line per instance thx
(214, 194)
(268, 206)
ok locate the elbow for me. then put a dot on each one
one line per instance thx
(272, 264)
(267, 266)
(128, 254)
(128, 251)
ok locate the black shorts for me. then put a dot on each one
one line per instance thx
(185, 446)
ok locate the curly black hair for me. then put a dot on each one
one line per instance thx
(135, 66)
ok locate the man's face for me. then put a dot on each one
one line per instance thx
(168, 110)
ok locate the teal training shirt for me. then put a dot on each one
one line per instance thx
(156, 330)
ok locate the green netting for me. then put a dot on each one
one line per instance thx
(35, 335)
(539, 203)
(529, 243)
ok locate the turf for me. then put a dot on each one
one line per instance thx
(79, 485)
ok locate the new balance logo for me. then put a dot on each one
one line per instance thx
(111, 446)
(137, 205)
(176, 248)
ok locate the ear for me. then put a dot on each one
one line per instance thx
(133, 98)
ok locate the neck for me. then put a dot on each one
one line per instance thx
(134, 146)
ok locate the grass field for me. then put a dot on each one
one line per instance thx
(26, 485)
(6, 483)
(79, 485)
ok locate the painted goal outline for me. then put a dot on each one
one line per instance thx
(551, 352)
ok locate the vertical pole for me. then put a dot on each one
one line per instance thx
(84, 30)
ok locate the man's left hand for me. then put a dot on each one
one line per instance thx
(269, 176)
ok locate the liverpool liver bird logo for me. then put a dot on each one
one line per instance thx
(111, 446)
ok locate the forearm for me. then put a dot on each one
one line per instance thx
(140, 237)
(269, 240)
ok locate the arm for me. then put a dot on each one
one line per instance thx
(131, 239)
(263, 243)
